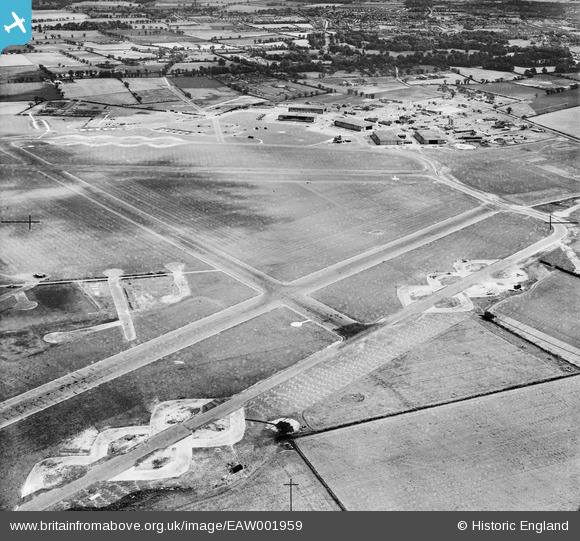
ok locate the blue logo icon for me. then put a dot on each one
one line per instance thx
(16, 22)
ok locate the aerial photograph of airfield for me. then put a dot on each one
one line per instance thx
(282, 255)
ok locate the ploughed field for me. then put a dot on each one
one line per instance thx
(551, 307)
(514, 450)
(470, 359)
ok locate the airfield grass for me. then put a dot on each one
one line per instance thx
(514, 450)
(263, 490)
(517, 173)
(12, 125)
(240, 125)
(57, 303)
(218, 367)
(472, 358)
(288, 229)
(75, 238)
(30, 362)
(209, 475)
(552, 307)
(372, 294)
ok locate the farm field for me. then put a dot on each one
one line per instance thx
(542, 80)
(514, 450)
(472, 358)
(512, 90)
(52, 60)
(410, 94)
(196, 82)
(97, 88)
(76, 238)
(288, 229)
(549, 103)
(215, 368)
(27, 91)
(478, 73)
(566, 121)
(552, 307)
(372, 294)
(528, 175)
(36, 362)
(20, 73)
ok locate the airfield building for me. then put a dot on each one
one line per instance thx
(302, 108)
(296, 117)
(429, 137)
(354, 124)
(386, 138)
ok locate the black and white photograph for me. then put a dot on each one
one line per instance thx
(284, 255)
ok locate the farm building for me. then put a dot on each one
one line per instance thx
(429, 137)
(316, 109)
(354, 124)
(385, 137)
(297, 117)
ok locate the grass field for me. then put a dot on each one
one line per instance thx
(470, 359)
(218, 157)
(56, 303)
(35, 362)
(215, 368)
(554, 102)
(76, 238)
(552, 307)
(517, 174)
(97, 90)
(566, 121)
(288, 229)
(372, 294)
(410, 94)
(196, 82)
(512, 90)
(242, 124)
(28, 91)
(515, 450)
